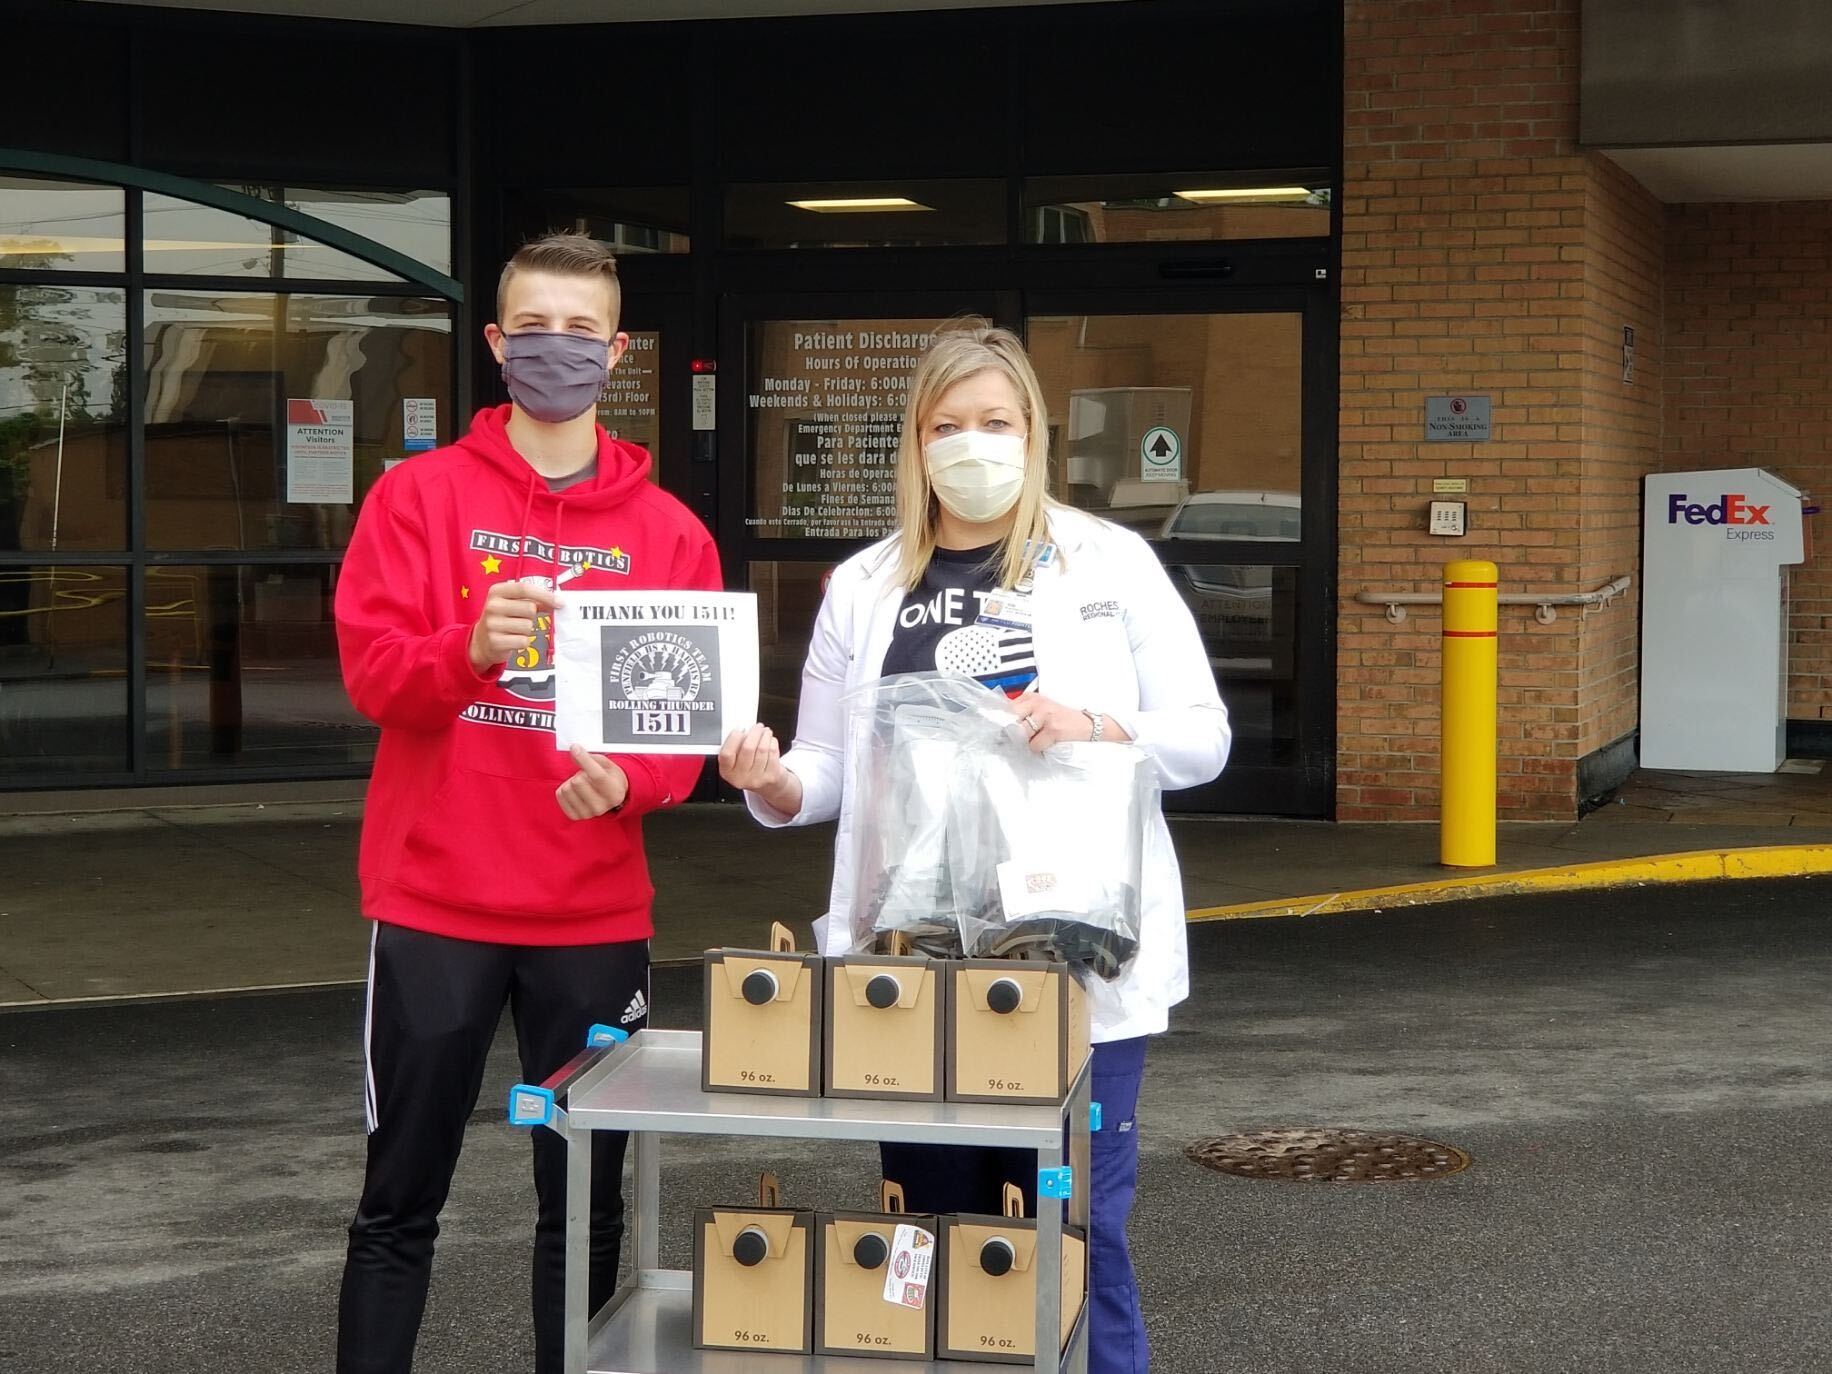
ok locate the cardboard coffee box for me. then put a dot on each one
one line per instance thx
(753, 1275)
(856, 1253)
(1017, 1031)
(886, 1026)
(989, 1285)
(763, 1020)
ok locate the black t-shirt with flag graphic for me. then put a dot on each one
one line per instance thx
(938, 627)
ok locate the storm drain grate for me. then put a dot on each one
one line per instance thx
(1324, 1156)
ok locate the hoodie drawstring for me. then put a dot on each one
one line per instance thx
(521, 544)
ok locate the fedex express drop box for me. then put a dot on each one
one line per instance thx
(1716, 547)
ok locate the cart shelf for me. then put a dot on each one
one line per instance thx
(651, 1087)
(650, 1331)
(653, 1084)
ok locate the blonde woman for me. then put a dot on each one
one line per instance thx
(1111, 653)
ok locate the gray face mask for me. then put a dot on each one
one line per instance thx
(554, 377)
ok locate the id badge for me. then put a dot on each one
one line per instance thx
(1046, 558)
(1008, 610)
(1011, 610)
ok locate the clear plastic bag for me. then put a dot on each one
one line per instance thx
(967, 842)
(908, 735)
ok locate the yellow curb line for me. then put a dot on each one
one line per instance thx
(1763, 861)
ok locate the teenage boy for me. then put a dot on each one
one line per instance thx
(496, 868)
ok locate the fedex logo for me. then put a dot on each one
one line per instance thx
(1731, 509)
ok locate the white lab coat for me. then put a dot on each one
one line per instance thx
(1112, 636)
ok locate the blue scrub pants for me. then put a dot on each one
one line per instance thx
(950, 1178)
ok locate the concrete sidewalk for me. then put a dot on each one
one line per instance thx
(224, 889)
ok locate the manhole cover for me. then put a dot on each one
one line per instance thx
(1329, 1156)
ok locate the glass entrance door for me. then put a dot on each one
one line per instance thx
(818, 407)
(1191, 426)
(1201, 421)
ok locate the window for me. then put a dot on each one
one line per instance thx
(233, 461)
(63, 670)
(63, 417)
(913, 214)
(415, 223)
(52, 225)
(635, 221)
(1173, 208)
(825, 401)
(182, 237)
(1182, 426)
(242, 670)
(788, 598)
(267, 413)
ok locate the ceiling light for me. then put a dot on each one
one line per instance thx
(1245, 193)
(861, 205)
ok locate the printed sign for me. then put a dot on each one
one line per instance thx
(630, 402)
(320, 452)
(906, 1274)
(705, 401)
(825, 402)
(654, 672)
(419, 423)
(1161, 455)
(1456, 419)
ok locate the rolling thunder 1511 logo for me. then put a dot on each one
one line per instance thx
(657, 684)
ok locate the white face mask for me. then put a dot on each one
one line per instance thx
(977, 476)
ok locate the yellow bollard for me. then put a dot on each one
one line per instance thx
(1466, 820)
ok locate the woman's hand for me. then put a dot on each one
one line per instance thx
(751, 760)
(1050, 722)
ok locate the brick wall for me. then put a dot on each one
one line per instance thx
(1623, 251)
(1749, 381)
(1464, 201)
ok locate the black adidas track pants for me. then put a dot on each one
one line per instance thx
(433, 1008)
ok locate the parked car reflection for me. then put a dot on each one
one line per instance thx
(1242, 609)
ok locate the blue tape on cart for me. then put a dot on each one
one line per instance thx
(1057, 1183)
(1094, 1116)
(601, 1037)
(530, 1106)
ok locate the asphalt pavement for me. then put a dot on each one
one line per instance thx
(1640, 1076)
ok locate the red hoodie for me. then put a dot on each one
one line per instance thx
(462, 835)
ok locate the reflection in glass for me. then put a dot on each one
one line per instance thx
(415, 223)
(63, 413)
(197, 240)
(1176, 425)
(1265, 516)
(630, 406)
(633, 220)
(63, 670)
(220, 368)
(46, 225)
(788, 598)
(907, 214)
(825, 402)
(1248, 617)
(241, 670)
(1183, 207)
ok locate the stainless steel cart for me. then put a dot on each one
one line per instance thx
(650, 1086)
